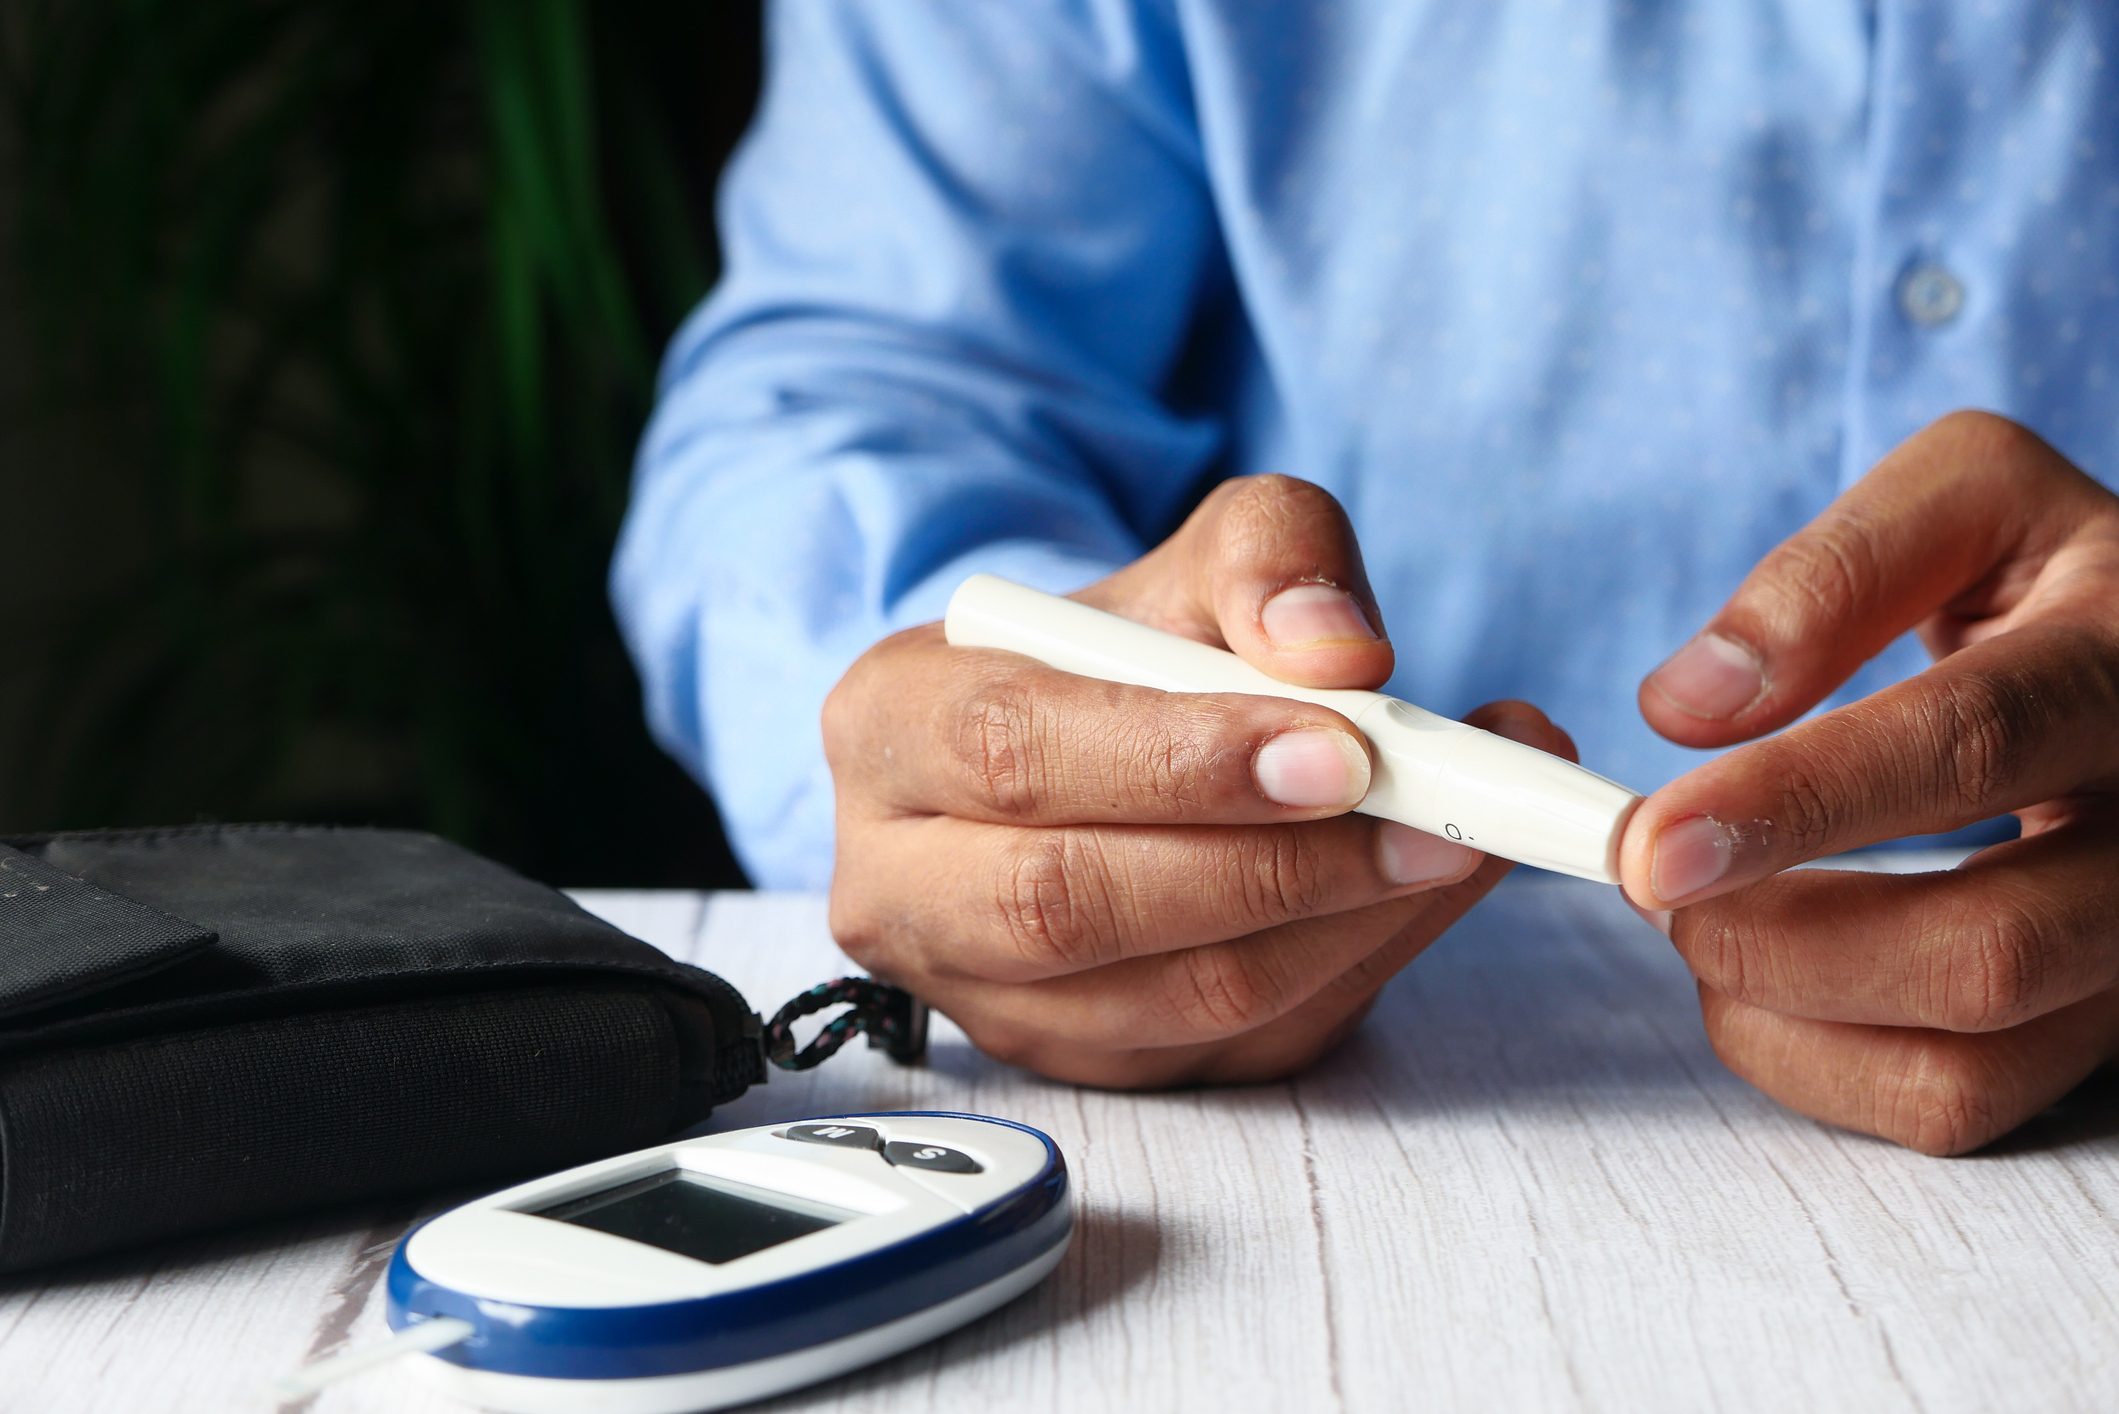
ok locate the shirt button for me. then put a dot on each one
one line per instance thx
(1930, 295)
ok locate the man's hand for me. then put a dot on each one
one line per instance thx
(1119, 886)
(1939, 1010)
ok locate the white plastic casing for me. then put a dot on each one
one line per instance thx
(496, 1250)
(1430, 772)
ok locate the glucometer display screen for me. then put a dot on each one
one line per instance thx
(695, 1217)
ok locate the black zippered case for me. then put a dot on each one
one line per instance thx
(214, 1025)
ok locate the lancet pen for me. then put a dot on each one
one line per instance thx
(1430, 772)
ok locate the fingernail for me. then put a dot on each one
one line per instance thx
(1712, 677)
(1410, 856)
(1311, 768)
(1690, 856)
(1303, 614)
(1656, 918)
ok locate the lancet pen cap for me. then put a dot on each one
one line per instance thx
(1494, 794)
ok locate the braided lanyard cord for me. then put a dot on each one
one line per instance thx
(894, 1020)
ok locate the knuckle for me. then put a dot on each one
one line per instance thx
(1992, 971)
(2006, 443)
(865, 917)
(1806, 809)
(1829, 574)
(1944, 1104)
(1262, 507)
(2094, 648)
(1276, 875)
(1168, 770)
(1218, 991)
(1970, 421)
(1049, 907)
(1271, 489)
(1275, 491)
(849, 711)
(1722, 1037)
(836, 717)
(1358, 987)
(1984, 723)
(1717, 948)
(854, 926)
(1733, 1034)
(1009, 1043)
(846, 705)
(995, 742)
(1734, 955)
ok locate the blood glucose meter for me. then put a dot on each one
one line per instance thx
(722, 1269)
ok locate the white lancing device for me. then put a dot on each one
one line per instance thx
(1430, 772)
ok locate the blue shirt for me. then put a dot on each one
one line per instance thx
(1579, 308)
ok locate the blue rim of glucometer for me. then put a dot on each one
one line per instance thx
(759, 1322)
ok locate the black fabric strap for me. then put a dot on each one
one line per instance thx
(895, 1020)
(61, 938)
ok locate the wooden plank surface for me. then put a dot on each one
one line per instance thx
(1527, 1184)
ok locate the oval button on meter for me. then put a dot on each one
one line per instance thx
(846, 1136)
(910, 1153)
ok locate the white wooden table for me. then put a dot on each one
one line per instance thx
(1527, 1184)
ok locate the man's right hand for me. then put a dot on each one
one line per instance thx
(1123, 887)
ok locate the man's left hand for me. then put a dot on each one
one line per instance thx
(1936, 1010)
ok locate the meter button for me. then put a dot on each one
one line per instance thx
(844, 1136)
(912, 1154)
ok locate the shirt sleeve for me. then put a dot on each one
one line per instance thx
(964, 246)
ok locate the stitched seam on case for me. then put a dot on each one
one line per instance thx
(127, 899)
(198, 939)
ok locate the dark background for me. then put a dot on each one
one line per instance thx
(326, 333)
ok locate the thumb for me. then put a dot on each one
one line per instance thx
(1268, 565)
